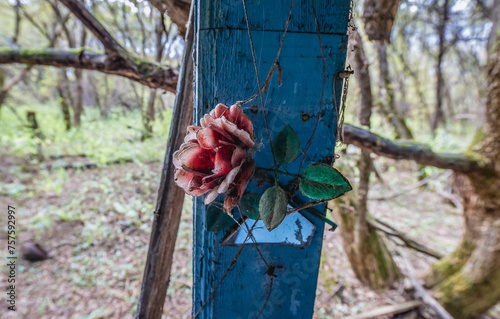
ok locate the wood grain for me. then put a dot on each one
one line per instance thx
(170, 200)
(224, 73)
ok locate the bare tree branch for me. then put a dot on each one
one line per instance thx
(177, 10)
(391, 231)
(151, 74)
(419, 153)
(110, 44)
(4, 91)
(16, 79)
(378, 16)
(62, 20)
(420, 290)
(43, 30)
(362, 75)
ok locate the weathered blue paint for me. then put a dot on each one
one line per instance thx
(224, 73)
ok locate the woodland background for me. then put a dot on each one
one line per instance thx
(85, 114)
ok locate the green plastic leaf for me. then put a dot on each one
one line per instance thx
(286, 146)
(272, 207)
(320, 181)
(249, 205)
(217, 219)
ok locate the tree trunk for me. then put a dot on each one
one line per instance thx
(103, 110)
(388, 104)
(362, 75)
(438, 116)
(36, 134)
(150, 112)
(467, 282)
(378, 17)
(3, 93)
(78, 105)
(63, 101)
(368, 255)
(17, 25)
(65, 98)
(64, 106)
(78, 102)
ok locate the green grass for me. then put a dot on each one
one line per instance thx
(103, 140)
(100, 199)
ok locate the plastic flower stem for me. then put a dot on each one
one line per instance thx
(320, 216)
(313, 212)
(273, 170)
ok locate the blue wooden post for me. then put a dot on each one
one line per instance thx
(224, 73)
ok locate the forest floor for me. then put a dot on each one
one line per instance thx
(95, 225)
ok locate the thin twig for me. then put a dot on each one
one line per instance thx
(308, 208)
(16, 79)
(391, 231)
(420, 183)
(269, 74)
(256, 245)
(99, 31)
(233, 262)
(309, 142)
(267, 299)
(420, 290)
(453, 199)
(308, 205)
(387, 310)
(258, 83)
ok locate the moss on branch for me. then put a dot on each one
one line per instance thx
(467, 162)
(147, 73)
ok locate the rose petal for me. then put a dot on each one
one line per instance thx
(246, 175)
(239, 154)
(230, 203)
(210, 178)
(208, 138)
(238, 117)
(206, 120)
(224, 186)
(193, 171)
(189, 182)
(223, 160)
(221, 131)
(194, 187)
(184, 151)
(193, 128)
(193, 156)
(191, 133)
(245, 123)
(234, 113)
(182, 178)
(227, 143)
(219, 110)
(194, 183)
(234, 195)
(197, 192)
(232, 129)
(212, 195)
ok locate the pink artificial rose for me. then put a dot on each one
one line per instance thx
(213, 157)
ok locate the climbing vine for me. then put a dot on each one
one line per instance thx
(217, 159)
